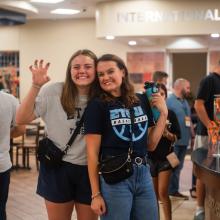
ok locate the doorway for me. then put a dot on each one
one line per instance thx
(191, 66)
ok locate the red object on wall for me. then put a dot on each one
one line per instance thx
(147, 76)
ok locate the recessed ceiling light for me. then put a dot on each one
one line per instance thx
(47, 1)
(109, 37)
(215, 35)
(132, 42)
(62, 11)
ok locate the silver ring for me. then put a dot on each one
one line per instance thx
(138, 160)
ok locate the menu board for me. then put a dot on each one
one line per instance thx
(9, 72)
(142, 65)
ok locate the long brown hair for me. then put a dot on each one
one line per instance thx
(69, 96)
(127, 90)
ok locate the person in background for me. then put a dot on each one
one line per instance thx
(160, 167)
(160, 77)
(209, 86)
(61, 105)
(194, 120)
(8, 129)
(1, 82)
(178, 104)
(108, 133)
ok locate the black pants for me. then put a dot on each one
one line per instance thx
(4, 187)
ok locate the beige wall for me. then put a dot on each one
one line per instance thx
(54, 41)
(9, 38)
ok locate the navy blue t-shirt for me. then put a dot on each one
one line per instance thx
(112, 121)
(209, 86)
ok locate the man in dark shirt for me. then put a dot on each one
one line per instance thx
(209, 86)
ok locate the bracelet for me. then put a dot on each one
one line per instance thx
(36, 86)
(95, 195)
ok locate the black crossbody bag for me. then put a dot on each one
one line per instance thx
(120, 167)
(49, 154)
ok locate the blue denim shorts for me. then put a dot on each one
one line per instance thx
(70, 182)
(133, 198)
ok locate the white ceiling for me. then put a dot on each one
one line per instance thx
(42, 10)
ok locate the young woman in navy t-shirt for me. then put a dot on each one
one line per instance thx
(108, 132)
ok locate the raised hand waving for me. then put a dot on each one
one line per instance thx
(39, 73)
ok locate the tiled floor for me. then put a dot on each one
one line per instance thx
(24, 204)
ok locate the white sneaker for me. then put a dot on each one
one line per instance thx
(200, 216)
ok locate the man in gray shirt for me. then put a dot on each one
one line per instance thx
(8, 128)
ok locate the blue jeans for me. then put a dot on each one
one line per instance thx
(4, 187)
(131, 199)
(180, 151)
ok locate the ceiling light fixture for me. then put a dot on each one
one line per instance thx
(215, 35)
(62, 11)
(132, 42)
(109, 37)
(20, 5)
(47, 1)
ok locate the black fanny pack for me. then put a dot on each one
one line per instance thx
(49, 154)
(116, 168)
(120, 167)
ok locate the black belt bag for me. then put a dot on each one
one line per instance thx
(116, 168)
(49, 154)
(120, 167)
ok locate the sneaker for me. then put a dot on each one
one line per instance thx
(179, 195)
(200, 216)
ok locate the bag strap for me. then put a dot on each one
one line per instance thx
(75, 133)
(131, 143)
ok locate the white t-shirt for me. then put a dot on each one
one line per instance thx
(59, 126)
(8, 106)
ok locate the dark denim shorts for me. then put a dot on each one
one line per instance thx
(157, 166)
(4, 187)
(70, 182)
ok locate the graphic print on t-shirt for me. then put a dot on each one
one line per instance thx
(121, 123)
(78, 114)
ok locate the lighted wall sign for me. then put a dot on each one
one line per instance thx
(152, 18)
(168, 16)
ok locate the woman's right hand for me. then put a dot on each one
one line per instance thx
(39, 73)
(159, 102)
(98, 205)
